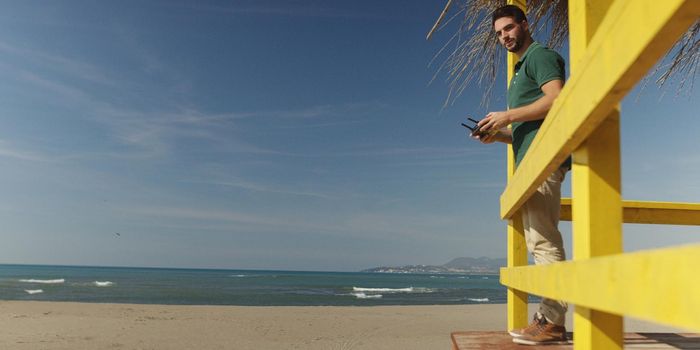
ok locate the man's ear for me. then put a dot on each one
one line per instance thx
(525, 25)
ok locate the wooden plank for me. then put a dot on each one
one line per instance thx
(516, 248)
(492, 340)
(657, 285)
(648, 212)
(502, 341)
(597, 228)
(630, 40)
(596, 186)
(517, 256)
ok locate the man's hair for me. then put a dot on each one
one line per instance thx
(509, 11)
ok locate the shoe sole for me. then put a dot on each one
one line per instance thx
(515, 334)
(532, 342)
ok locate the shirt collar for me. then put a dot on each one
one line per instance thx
(529, 48)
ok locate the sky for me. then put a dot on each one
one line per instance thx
(292, 135)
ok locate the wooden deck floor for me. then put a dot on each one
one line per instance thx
(502, 341)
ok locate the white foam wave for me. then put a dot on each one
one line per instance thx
(34, 291)
(484, 278)
(57, 281)
(104, 284)
(239, 275)
(479, 300)
(385, 290)
(366, 296)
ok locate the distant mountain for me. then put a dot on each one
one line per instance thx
(482, 265)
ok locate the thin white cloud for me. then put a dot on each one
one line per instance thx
(154, 131)
(231, 220)
(199, 214)
(58, 63)
(12, 152)
(152, 134)
(321, 125)
(445, 162)
(259, 187)
(60, 89)
(415, 152)
(146, 134)
(325, 111)
(360, 224)
(287, 10)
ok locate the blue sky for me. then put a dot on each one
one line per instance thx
(268, 135)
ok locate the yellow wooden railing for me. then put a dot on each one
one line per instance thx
(612, 46)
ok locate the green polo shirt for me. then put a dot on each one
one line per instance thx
(536, 67)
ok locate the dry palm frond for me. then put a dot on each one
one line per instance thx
(476, 57)
(684, 63)
(439, 20)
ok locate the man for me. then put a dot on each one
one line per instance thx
(538, 80)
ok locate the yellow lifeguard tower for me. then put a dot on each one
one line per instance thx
(612, 46)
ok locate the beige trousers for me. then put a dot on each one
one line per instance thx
(540, 221)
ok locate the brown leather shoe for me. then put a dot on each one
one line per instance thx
(541, 333)
(516, 333)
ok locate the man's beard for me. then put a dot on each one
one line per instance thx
(517, 44)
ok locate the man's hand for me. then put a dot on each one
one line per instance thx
(486, 138)
(500, 136)
(495, 121)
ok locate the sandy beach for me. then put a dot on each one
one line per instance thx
(62, 325)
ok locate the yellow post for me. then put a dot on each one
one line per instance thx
(597, 204)
(517, 250)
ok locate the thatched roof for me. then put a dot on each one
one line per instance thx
(472, 54)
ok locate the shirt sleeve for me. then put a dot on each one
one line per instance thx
(545, 66)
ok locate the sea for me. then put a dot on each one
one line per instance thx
(243, 287)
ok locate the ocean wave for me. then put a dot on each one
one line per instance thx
(365, 296)
(479, 300)
(393, 290)
(238, 276)
(104, 284)
(33, 291)
(57, 281)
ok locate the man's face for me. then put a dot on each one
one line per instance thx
(510, 33)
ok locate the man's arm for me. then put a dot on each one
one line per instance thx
(534, 111)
